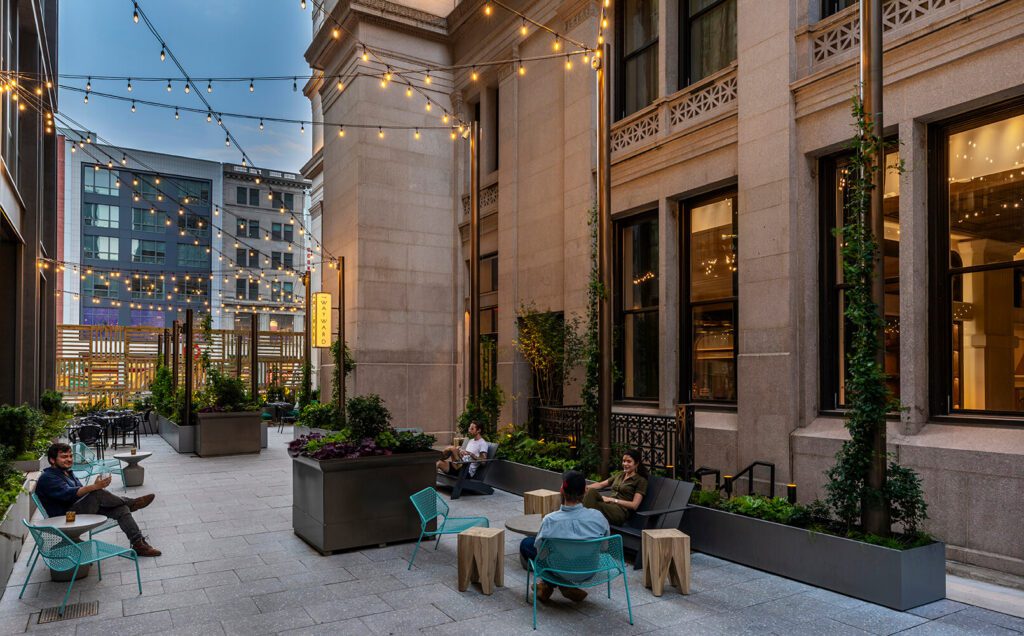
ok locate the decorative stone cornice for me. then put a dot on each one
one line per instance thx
(584, 13)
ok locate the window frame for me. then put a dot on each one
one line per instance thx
(619, 314)
(686, 306)
(113, 220)
(115, 242)
(622, 58)
(941, 272)
(152, 260)
(160, 219)
(684, 54)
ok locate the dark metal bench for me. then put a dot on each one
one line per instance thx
(662, 507)
(463, 482)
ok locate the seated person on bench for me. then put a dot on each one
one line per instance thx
(453, 457)
(628, 489)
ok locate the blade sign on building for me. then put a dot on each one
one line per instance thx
(320, 324)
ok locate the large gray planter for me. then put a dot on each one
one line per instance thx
(340, 504)
(231, 433)
(181, 438)
(900, 579)
(519, 478)
(12, 537)
(30, 465)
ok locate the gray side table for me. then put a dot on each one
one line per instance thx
(134, 474)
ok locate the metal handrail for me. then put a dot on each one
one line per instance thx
(749, 472)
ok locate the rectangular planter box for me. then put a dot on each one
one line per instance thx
(340, 504)
(30, 465)
(181, 438)
(12, 537)
(519, 478)
(899, 579)
(234, 433)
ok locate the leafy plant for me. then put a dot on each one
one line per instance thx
(484, 410)
(858, 487)
(224, 393)
(92, 406)
(516, 445)
(162, 389)
(11, 481)
(349, 366)
(367, 416)
(52, 402)
(708, 498)
(275, 392)
(589, 453)
(317, 415)
(553, 347)
(18, 428)
(330, 449)
(305, 390)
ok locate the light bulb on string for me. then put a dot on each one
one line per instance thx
(252, 86)
(133, 105)
(341, 131)
(380, 132)
(88, 84)
(604, 23)
(335, 33)
(444, 117)
(176, 115)
(488, 10)
(209, 86)
(163, 54)
(522, 69)
(417, 133)
(227, 141)
(600, 40)
(135, 13)
(295, 84)
(209, 116)
(426, 77)
(168, 86)
(557, 45)
(473, 76)
(522, 29)
(86, 98)
(341, 85)
(302, 129)
(302, 4)
(366, 55)
(428, 106)
(187, 89)
(568, 63)
(408, 91)
(124, 159)
(129, 84)
(220, 122)
(261, 124)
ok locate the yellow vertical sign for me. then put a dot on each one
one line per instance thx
(320, 321)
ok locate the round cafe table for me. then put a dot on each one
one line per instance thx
(134, 474)
(74, 530)
(524, 524)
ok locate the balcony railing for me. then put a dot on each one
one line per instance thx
(675, 114)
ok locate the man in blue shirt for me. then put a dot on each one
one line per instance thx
(572, 521)
(60, 491)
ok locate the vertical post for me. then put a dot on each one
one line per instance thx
(307, 350)
(875, 513)
(341, 335)
(188, 366)
(604, 259)
(254, 355)
(474, 260)
(238, 356)
(176, 348)
(167, 347)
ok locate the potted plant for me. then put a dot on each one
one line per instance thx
(317, 417)
(14, 506)
(351, 488)
(169, 407)
(228, 420)
(18, 428)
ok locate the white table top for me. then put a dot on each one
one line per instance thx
(82, 523)
(137, 457)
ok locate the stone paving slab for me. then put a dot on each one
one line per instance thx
(231, 565)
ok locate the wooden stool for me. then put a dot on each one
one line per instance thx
(541, 502)
(482, 558)
(666, 552)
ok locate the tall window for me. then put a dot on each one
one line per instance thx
(254, 228)
(148, 220)
(284, 200)
(103, 248)
(147, 287)
(636, 41)
(828, 7)
(637, 305)
(97, 286)
(707, 41)
(148, 251)
(193, 289)
(193, 225)
(488, 320)
(980, 264)
(836, 331)
(100, 215)
(275, 231)
(289, 232)
(247, 290)
(244, 257)
(710, 299)
(100, 181)
(192, 255)
(241, 195)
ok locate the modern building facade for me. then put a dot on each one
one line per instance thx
(265, 251)
(28, 201)
(140, 233)
(729, 150)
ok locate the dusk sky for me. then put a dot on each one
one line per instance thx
(211, 39)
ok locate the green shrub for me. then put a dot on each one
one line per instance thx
(51, 402)
(162, 389)
(516, 445)
(18, 428)
(226, 393)
(11, 481)
(316, 415)
(367, 416)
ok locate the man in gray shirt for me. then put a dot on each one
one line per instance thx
(572, 521)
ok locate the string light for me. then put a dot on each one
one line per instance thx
(341, 85)
(408, 91)
(302, 4)
(522, 69)
(176, 115)
(227, 141)
(187, 88)
(209, 86)
(133, 106)
(168, 86)
(473, 75)
(380, 132)
(252, 86)
(487, 9)
(302, 129)
(88, 84)
(129, 84)
(135, 13)
(557, 46)
(341, 131)
(568, 63)
(366, 55)
(261, 124)
(426, 77)
(522, 30)
(417, 133)
(163, 53)
(209, 116)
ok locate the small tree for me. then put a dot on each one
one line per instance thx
(553, 347)
(866, 484)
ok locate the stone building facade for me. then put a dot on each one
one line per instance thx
(731, 123)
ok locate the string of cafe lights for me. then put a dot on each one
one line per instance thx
(229, 138)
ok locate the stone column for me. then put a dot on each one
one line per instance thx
(913, 257)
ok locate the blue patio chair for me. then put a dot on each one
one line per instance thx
(61, 554)
(429, 505)
(86, 465)
(578, 563)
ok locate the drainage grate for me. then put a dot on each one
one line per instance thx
(76, 610)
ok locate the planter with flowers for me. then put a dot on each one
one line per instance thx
(228, 420)
(351, 489)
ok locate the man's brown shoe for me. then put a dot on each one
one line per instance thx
(574, 594)
(141, 502)
(544, 591)
(143, 549)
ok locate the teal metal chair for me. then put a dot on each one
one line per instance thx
(103, 527)
(578, 563)
(61, 554)
(86, 465)
(430, 505)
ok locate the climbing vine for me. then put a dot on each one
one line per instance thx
(589, 451)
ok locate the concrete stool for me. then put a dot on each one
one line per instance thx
(666, 552)
(541, 502)
(482, 558)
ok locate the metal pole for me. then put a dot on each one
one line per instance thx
(341, 335)
(254, 355)
(188, 366)
(238, 356)
(307, 351)
(875, 513)
(474, 260)
(604, 260)
(176, 348)
(167, 347)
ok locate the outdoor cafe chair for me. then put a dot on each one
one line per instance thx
(578, 563)
(61, 554)
(103, 527)
(86, 465)
(429, 506)
(91, 432)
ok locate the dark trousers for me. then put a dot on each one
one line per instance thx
(527, 550)
(102, 502)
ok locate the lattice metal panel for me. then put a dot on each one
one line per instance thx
(845, 34)
(653, 435)
(560, 423)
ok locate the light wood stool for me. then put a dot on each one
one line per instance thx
(666, 552)
(482, 558)
(541, 502)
